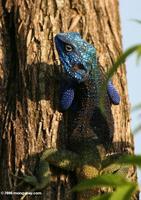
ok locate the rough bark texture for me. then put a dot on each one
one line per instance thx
(29, 76)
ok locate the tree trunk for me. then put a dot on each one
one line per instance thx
(29, 78)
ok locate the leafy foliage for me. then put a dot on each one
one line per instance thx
(134, 49)
(108, 180)
(137, 21)
(102, 197)
(122, 187)
(124, 192)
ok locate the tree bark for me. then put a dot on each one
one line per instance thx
(29, 77)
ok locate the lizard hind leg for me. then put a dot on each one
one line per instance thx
(63, 159)
(84, 173)
(90, 169)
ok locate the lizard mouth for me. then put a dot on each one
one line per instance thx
(77, 68)
(79, 72)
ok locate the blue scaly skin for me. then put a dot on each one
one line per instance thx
(79, 60)
(91, 131)
(68, 90)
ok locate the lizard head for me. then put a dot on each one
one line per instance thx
(77, 56)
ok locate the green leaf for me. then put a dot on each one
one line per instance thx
(136, 20)
(109, 180)
(138, 55)
(124, 192)
(130, 159)
(121, 60)
(102, 197)
(110, 73)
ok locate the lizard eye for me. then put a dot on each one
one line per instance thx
(68, 47)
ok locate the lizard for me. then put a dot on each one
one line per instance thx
(84, 81)
(91, 131)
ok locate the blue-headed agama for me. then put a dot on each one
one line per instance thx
(91, 133)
